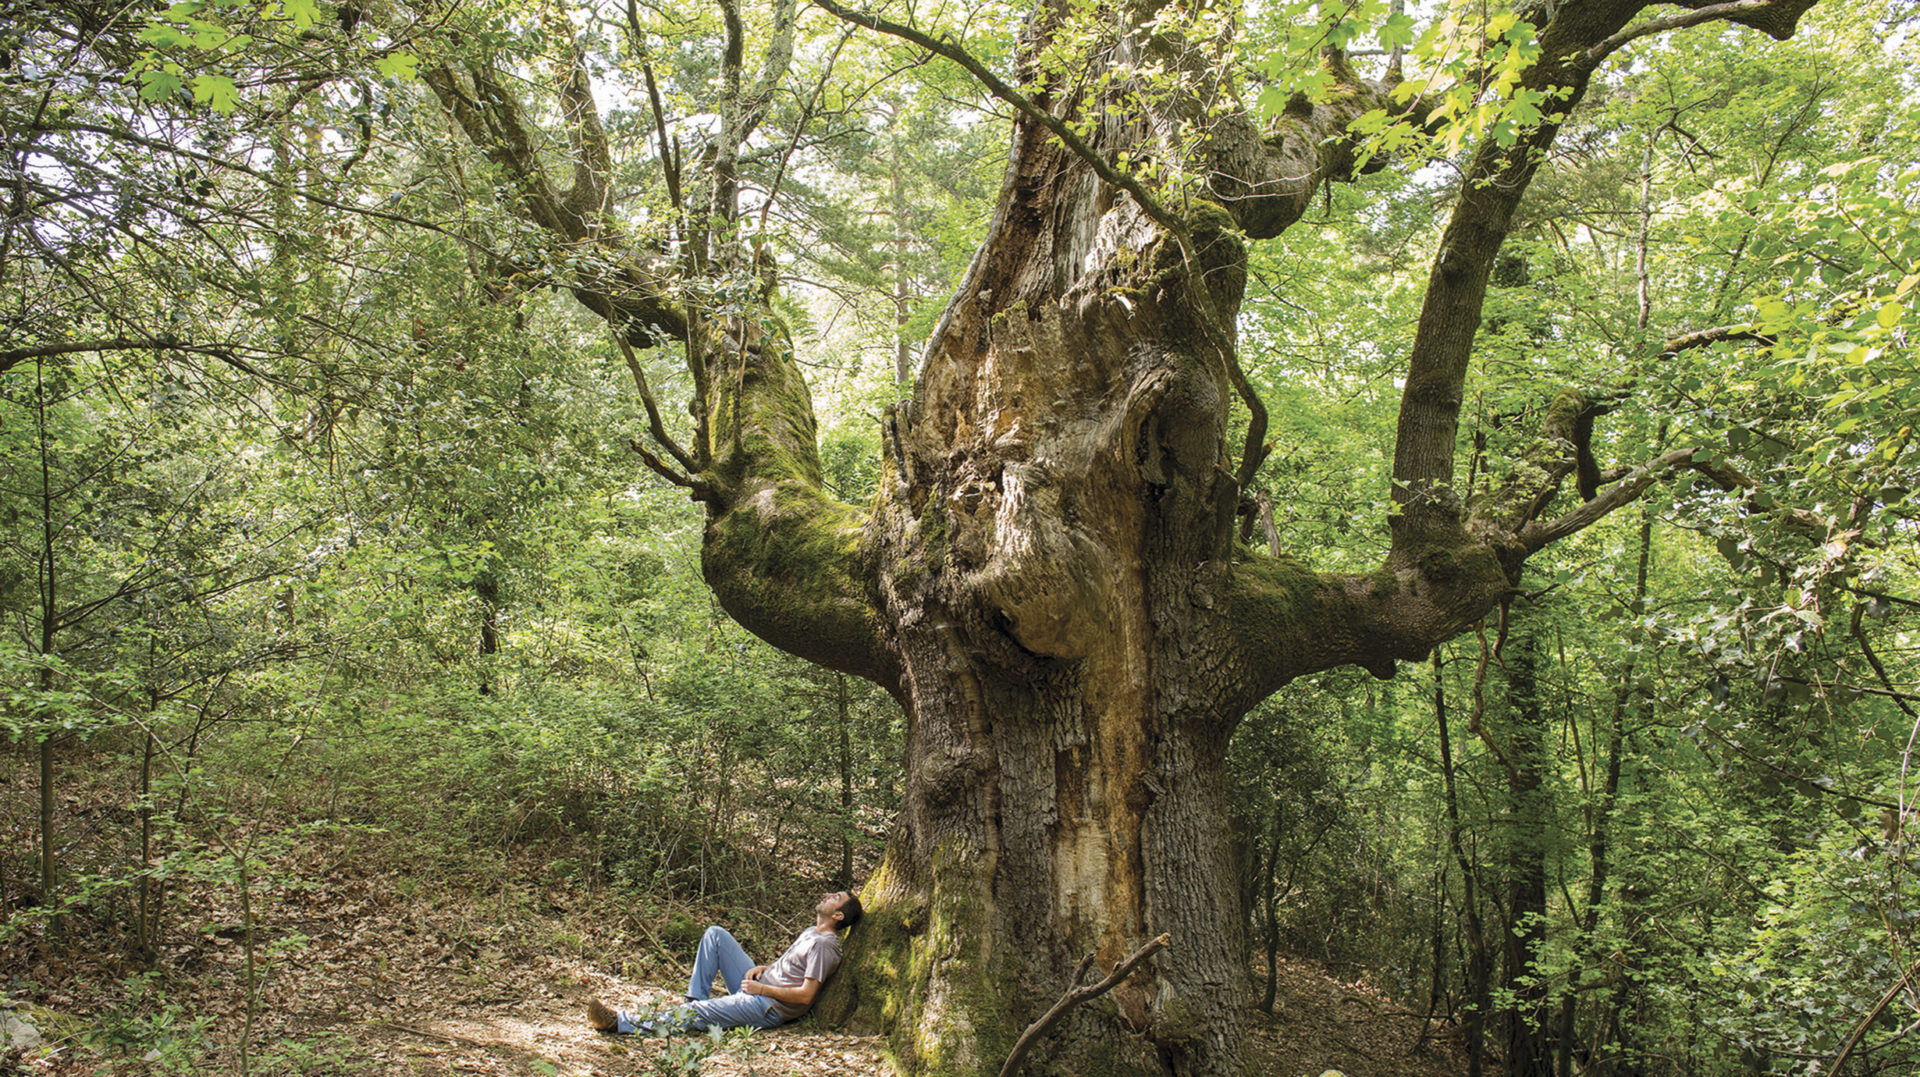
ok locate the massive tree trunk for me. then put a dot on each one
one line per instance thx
(1050, 555)
(1048, 581)
(1077, 632)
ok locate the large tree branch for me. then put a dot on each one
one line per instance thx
(1571, 44)
(592, 160)
(791, 564)
(1291, 621)
(1266, 174)
(1775, 18)
(787, 562)
(1497, 178)
(614, 281)
(1288, 621)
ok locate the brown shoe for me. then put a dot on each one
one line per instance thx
(601, 1018)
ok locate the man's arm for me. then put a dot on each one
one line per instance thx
(792, 996)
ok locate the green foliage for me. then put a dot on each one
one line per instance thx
(684, 1055)
(147, 1026)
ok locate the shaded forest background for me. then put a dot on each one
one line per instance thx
(324, 552)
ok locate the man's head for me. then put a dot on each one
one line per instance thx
(838, 911)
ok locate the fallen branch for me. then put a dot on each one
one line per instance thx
(1077, 994)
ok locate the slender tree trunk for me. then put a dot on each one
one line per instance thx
(1528, 1050)
(1271, 906)
(902, 281)
(1599, 841)
(1437, 987)
(1479, 972)
(146, 926)
(487, 589)
(49, 626)
(846, 779)
(49, 896)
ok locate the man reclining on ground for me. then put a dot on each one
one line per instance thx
(758, 996)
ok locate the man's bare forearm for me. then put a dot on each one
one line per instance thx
(793, 996)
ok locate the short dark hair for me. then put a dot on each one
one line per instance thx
(851, 912)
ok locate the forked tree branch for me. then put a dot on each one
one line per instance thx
(1776, 18)
(1541, 533)
(1077, 994)
(1572, 42)
(654, 423)
(593, 160)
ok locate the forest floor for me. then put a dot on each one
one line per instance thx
(370, 958)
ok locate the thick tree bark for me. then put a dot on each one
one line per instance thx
(1078, 634)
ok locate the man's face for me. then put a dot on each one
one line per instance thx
(830, 903)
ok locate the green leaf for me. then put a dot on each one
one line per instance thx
(159, 83)
(404, 66)
(1397, 31)
(1371, 122)
(302, 12)
(165, 35)
(216, 91)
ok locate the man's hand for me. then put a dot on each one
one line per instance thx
(752, 986)
(754, 972)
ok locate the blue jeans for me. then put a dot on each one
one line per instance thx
(718, 953)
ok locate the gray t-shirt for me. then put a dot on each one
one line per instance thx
(813, 956)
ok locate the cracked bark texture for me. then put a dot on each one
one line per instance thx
(1048, 581)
